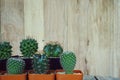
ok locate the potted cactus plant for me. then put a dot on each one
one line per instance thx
(28, 47)
(15, 69)
(5, 53)
(53, 50)
(68, 61)
(40, 68)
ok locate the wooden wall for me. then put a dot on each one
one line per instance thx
(90, 28)
(12, 22)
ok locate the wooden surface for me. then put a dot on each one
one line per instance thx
(33, 20)
(90, 28)
(12, 22)
(89, 77)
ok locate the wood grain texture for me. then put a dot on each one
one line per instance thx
(90, 28)
(99, 34)
(91, 77)
(33, 20)
(12, 22)
(0, 20)
(55, 21)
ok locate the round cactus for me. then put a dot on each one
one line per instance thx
(5, 50)
(28, 47)
(40, 63)
(15, 66)
(53, 49)
(68, 61)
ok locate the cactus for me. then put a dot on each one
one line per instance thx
(28, 47)
(40, 63)
(15, 66)
(53, 49)
(5, 50)
(68, 61)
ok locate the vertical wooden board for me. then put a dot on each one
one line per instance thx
(55, 21)
(116, 39)
(12, 22)
(77, 31)
(100, 23)
(0, 20)
(33, 20)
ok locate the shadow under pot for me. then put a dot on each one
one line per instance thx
(54, 63)
(3, 64)
(28, 62)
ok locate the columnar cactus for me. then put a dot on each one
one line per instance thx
(15, 66)
(53, 49)
(40, 63)
(5, 50)
(28, 47)
(68, 61)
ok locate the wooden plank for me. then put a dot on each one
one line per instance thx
(100, 36)
(116, 39)
(33, 20)
(56, 21)
(91, 77)
(88, 77)
(12, 26)
(106, 78)
(0, 20)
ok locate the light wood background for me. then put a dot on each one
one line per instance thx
(90, 28)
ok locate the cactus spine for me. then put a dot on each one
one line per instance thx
(5, 50)
(28, 47)
(15, 66)
(68, 61)
(40, 63)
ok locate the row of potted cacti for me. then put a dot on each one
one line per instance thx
(41, 62)
(15, 68)
(28, 47)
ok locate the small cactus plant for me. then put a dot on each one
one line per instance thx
(5, 50)
(28, 47)
(15, 66)
(68, 61)
(53, 49)
(40, 63)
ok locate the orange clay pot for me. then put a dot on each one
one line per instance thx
(77, 75)
(32, 76)
(13, 77)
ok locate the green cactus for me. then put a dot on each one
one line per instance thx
(40, 63)
(53, 49)
(28, 47)
(15, 66)
(68, 61)
(5, 50)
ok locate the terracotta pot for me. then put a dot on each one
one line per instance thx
(77, 75)
(13, 77)
(32, 76)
